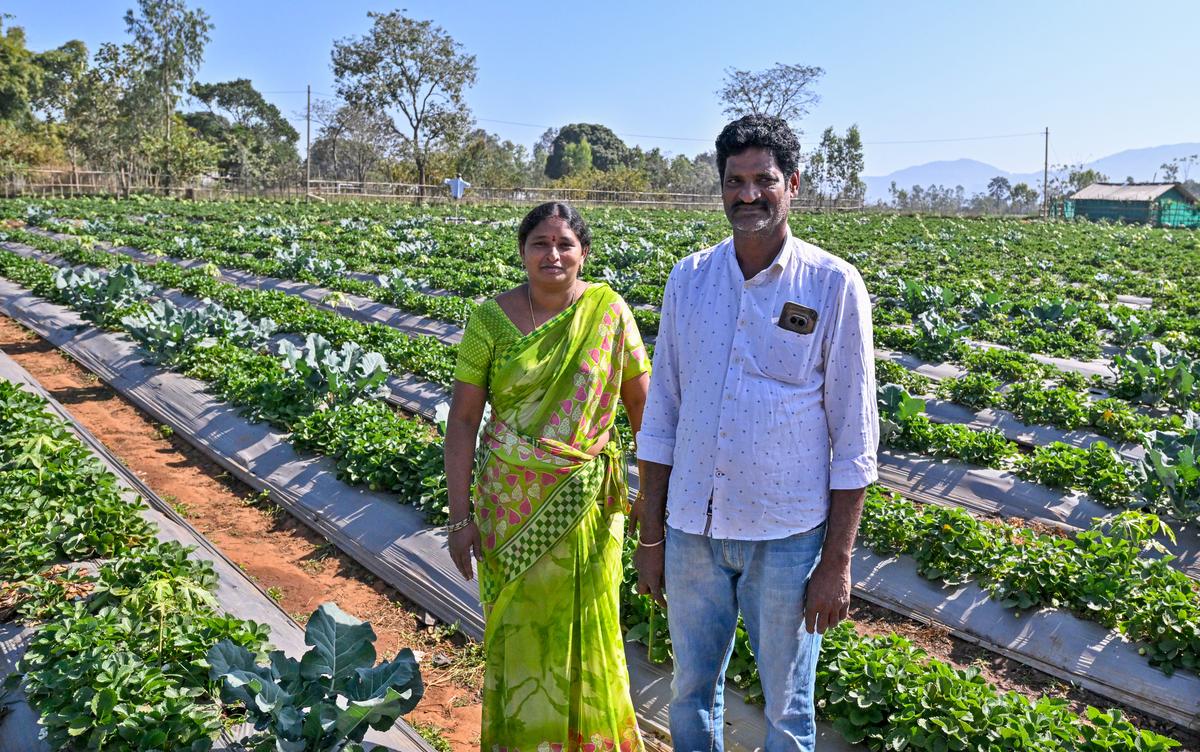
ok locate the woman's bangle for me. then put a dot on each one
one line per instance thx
(658, 542)
(455, 527)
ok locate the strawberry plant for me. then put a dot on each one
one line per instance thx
(977, 390)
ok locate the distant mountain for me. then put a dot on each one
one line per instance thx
(973, 175)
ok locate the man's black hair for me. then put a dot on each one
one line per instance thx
(763, 132)
(563, 211)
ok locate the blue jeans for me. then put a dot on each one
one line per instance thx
(707, 581)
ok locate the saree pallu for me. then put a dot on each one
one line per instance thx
(552, 521)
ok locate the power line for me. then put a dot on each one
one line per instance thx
(812, 143)
(693, 139)
(948, 140)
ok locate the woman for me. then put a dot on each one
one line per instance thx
(553, 357)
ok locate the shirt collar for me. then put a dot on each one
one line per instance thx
(776, 267)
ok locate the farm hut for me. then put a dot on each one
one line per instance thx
(1158, 204)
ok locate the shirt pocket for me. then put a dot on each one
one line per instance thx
(787, 356)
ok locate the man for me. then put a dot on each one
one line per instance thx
(758, 441)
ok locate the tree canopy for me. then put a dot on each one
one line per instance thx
(414, 68)
(784, 90)
(607, 148)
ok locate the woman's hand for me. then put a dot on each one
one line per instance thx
(465, 544)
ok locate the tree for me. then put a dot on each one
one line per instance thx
(62, 70)
(695, 175)
(256, 140)
(171, 39)
(536, 174)
(485, 160)
(1066, 179)
(1170, 171)
(999, 189)
(784, 91)
(650, 163)
(416, 68)
(1079, 178)
(577, 158)
(1023, 197)
(184, 154)
(20, 76)
(834, 169)
(110, 107)
(353, 141)
(851, 163)
(936, 199)
(608, 150)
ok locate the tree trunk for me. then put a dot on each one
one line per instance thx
(419, 158)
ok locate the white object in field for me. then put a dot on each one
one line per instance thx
(458, 186)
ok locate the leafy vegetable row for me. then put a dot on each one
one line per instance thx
(1166, 479)
(1101, 574)
(1031, 285)
(424, 356)
(124, 666)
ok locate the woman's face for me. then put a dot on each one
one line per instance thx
(552, 254)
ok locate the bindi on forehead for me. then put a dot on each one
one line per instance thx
(557, 230)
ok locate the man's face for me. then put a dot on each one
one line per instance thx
(755, 192)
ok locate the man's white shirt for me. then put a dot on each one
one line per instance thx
(762, 420)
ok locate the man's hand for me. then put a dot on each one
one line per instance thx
(649, 563)
(648, 560)
(827, 598)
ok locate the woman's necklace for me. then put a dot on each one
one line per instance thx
(529, 297)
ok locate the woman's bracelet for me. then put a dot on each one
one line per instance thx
(658, 542)
(455, 527)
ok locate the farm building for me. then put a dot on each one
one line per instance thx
(1158, 204)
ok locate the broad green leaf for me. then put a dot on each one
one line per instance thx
(379, 713)
(401, 674)
(341, 644)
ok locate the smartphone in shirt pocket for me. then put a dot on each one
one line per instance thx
(786, 350)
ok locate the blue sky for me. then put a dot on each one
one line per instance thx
(1102, 75)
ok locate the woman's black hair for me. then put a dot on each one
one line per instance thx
(763, 132)
(563, 211)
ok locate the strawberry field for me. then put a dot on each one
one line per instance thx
(1038, 390)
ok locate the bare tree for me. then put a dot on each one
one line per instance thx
(784, 91)
(352, 141)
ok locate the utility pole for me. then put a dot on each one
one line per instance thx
(308, 144)
(1046, 178)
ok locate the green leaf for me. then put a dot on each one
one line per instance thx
(379, 713)
(341, 644)
(103, 703)
(400, 673)
(227, 656)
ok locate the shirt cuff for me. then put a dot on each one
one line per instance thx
(847, 475)
(654, 449)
